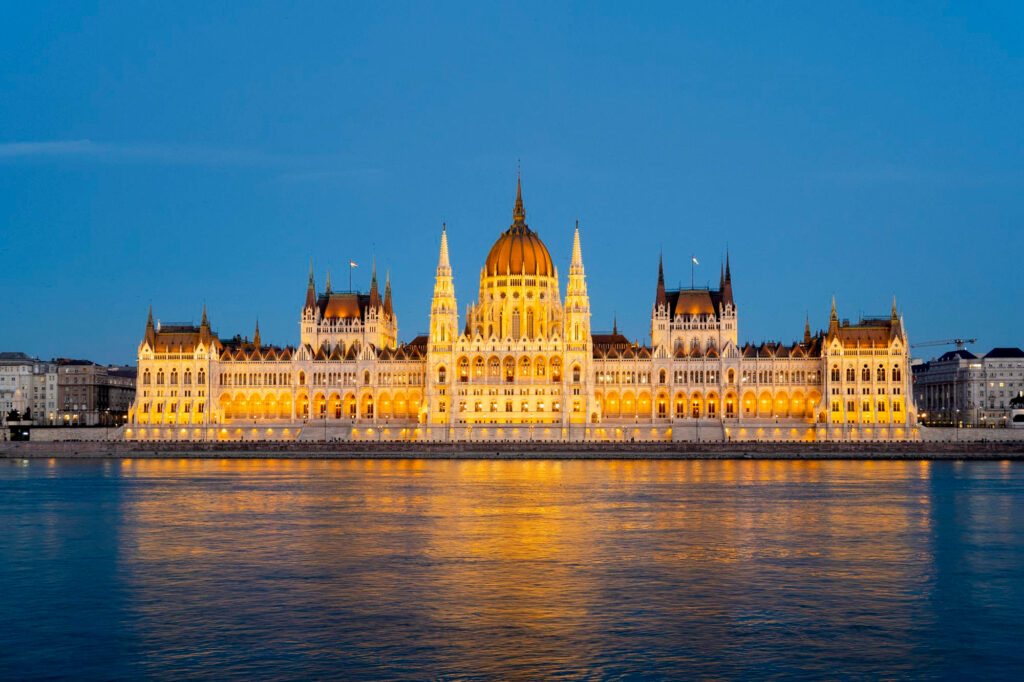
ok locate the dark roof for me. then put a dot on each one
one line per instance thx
(959, 353)
(694, 301)
(1005, 353)
(14, 356)
(343, 305)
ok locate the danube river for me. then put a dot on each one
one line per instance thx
(311, 569)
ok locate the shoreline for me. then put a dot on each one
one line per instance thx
(994, 450)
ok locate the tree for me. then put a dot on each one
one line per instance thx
(13, 416)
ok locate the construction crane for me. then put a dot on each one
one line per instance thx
(960, 343)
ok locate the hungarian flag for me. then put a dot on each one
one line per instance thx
(353, 264)
(695, 261)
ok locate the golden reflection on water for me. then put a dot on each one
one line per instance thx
(488, 565)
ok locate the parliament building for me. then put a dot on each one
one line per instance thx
(524, 365)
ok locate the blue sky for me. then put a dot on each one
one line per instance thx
(180, 153)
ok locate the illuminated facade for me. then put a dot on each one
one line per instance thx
(524, 366)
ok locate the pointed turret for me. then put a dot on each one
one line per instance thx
(518, 213)
(204, 322)
(374, 292)
(660, 299)
(727, 283)
(807, 330)
(388, 310)
(310, 290)
(150, 329)
(833, 318)
(895, 315)
(615, 325)
(328, 290)
(256, 334)
(442, 260)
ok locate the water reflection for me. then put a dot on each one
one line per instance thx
(412, 568)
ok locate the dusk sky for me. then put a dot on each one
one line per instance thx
(178, 153)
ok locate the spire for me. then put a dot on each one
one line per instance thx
(150, 329)
(204, 322)
(660, 299)
(442, 261)
(256, 334)
(727, 283)
(374, 292)
(328, 281)
(311, 289)
(833, 315)
(807, 330)
(895, 315)
(518, 213)
(387, 295)
(615, 324)
(577, 252)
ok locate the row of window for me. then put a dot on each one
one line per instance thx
(186, 377)
(865, 373)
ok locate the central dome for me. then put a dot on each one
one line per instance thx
(519, 250)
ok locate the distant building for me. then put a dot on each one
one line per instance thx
(93, 395)
(961, 388)
(29, 387)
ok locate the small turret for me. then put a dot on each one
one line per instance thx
(256, 334)
(150, 329)
(388, 310)
(374, 291)
(807, 330)
(310, 290)
(328, 290)
(727, 283)
(660, 299)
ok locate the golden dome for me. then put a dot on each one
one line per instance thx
(519, 250)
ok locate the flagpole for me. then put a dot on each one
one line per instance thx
(350, 277)
(692, 257)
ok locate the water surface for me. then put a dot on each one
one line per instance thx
(304, 569)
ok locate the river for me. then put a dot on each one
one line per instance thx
(374, 569)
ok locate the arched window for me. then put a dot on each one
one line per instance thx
(187, 379)
(880, 374)
(159, 377)
(529, 323)
(865, 373)
(732, 375)
(366, 376)
(515, 324)
(661, 377)
(897, 375)
(835, 372)
(851, 374)
(442, 374)
(201, 377)
(146, 378)
(478, 367)
(463, 369)
(556, 369)
(174, 377)
(576, 374)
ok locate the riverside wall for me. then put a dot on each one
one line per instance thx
(987, 449)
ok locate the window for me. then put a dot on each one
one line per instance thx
(865, 374)
(835, 372)
(880, 374)
(145, 378)
(529, 323)
(881, 406)
(897, 375)
(515, 324)
(661, 377)
(160, 377)
(851, 374)
(188, 377)
(576, 374)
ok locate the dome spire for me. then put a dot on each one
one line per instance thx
(518, 213)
